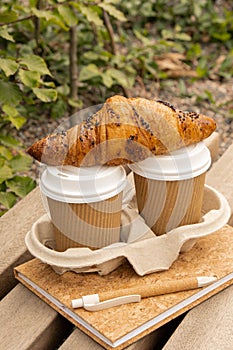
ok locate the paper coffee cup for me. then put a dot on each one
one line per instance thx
(169, 188)
(84, 204)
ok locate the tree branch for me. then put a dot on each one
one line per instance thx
(110, 31)
(109, 28)
(73, 66)
(37, 21)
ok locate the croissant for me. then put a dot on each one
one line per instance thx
(124, 130)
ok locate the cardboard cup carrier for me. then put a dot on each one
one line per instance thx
(84, 204)
(169, 188)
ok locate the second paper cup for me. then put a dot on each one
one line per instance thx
(169, 188)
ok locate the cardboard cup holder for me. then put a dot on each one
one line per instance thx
(161, 251)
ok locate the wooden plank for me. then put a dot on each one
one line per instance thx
(206, 327)
(13, 227)
(79, 340)
(212, 142)
(27, 323)
(220, 177)
(209, 325)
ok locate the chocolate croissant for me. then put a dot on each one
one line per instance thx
(123, 131)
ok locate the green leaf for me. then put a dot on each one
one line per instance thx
(32, 3)
(58, 109)
(9, 141)
(68, 15)
(112, 1)
(113, 11)
(42, 13)
(5, 35)
(146, 41)
(75, 103)
(89, 13)
(94, 56)
(35, 64)
(29, 78)
(107, 79)
(201, 72)
(10, 93)
(7, 199)
(5, 173)
(210, 96)
(8, 66)
(49, 17)
(120, 77)
(63, 90)
(88, 72)
(197, 9)
(167, 34)
(21, 185)
(13, 115)
(45, 95)
(91, 56)
(10, 110)
(18, 121)
(3, 187)
(20, 163)
(5, 152)
(222, 36)
(8, 16)
(48, 83)
(183, 37)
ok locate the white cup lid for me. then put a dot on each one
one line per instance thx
(82, 185)
(185, 163)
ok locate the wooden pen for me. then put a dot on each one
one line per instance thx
(160, 287)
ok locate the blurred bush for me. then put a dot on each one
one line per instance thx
(56, 53)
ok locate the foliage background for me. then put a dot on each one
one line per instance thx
(60, 56)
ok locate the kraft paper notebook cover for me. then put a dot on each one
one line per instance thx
(120, 326)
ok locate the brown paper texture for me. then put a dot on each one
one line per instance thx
(92, 225)
(166, 205)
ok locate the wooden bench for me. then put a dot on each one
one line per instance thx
(29, 323)
(214, 330)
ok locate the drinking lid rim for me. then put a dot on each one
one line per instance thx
(185, 163)
(68, 189)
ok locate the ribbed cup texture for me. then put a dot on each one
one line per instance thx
(169, 204)
(92, 225)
